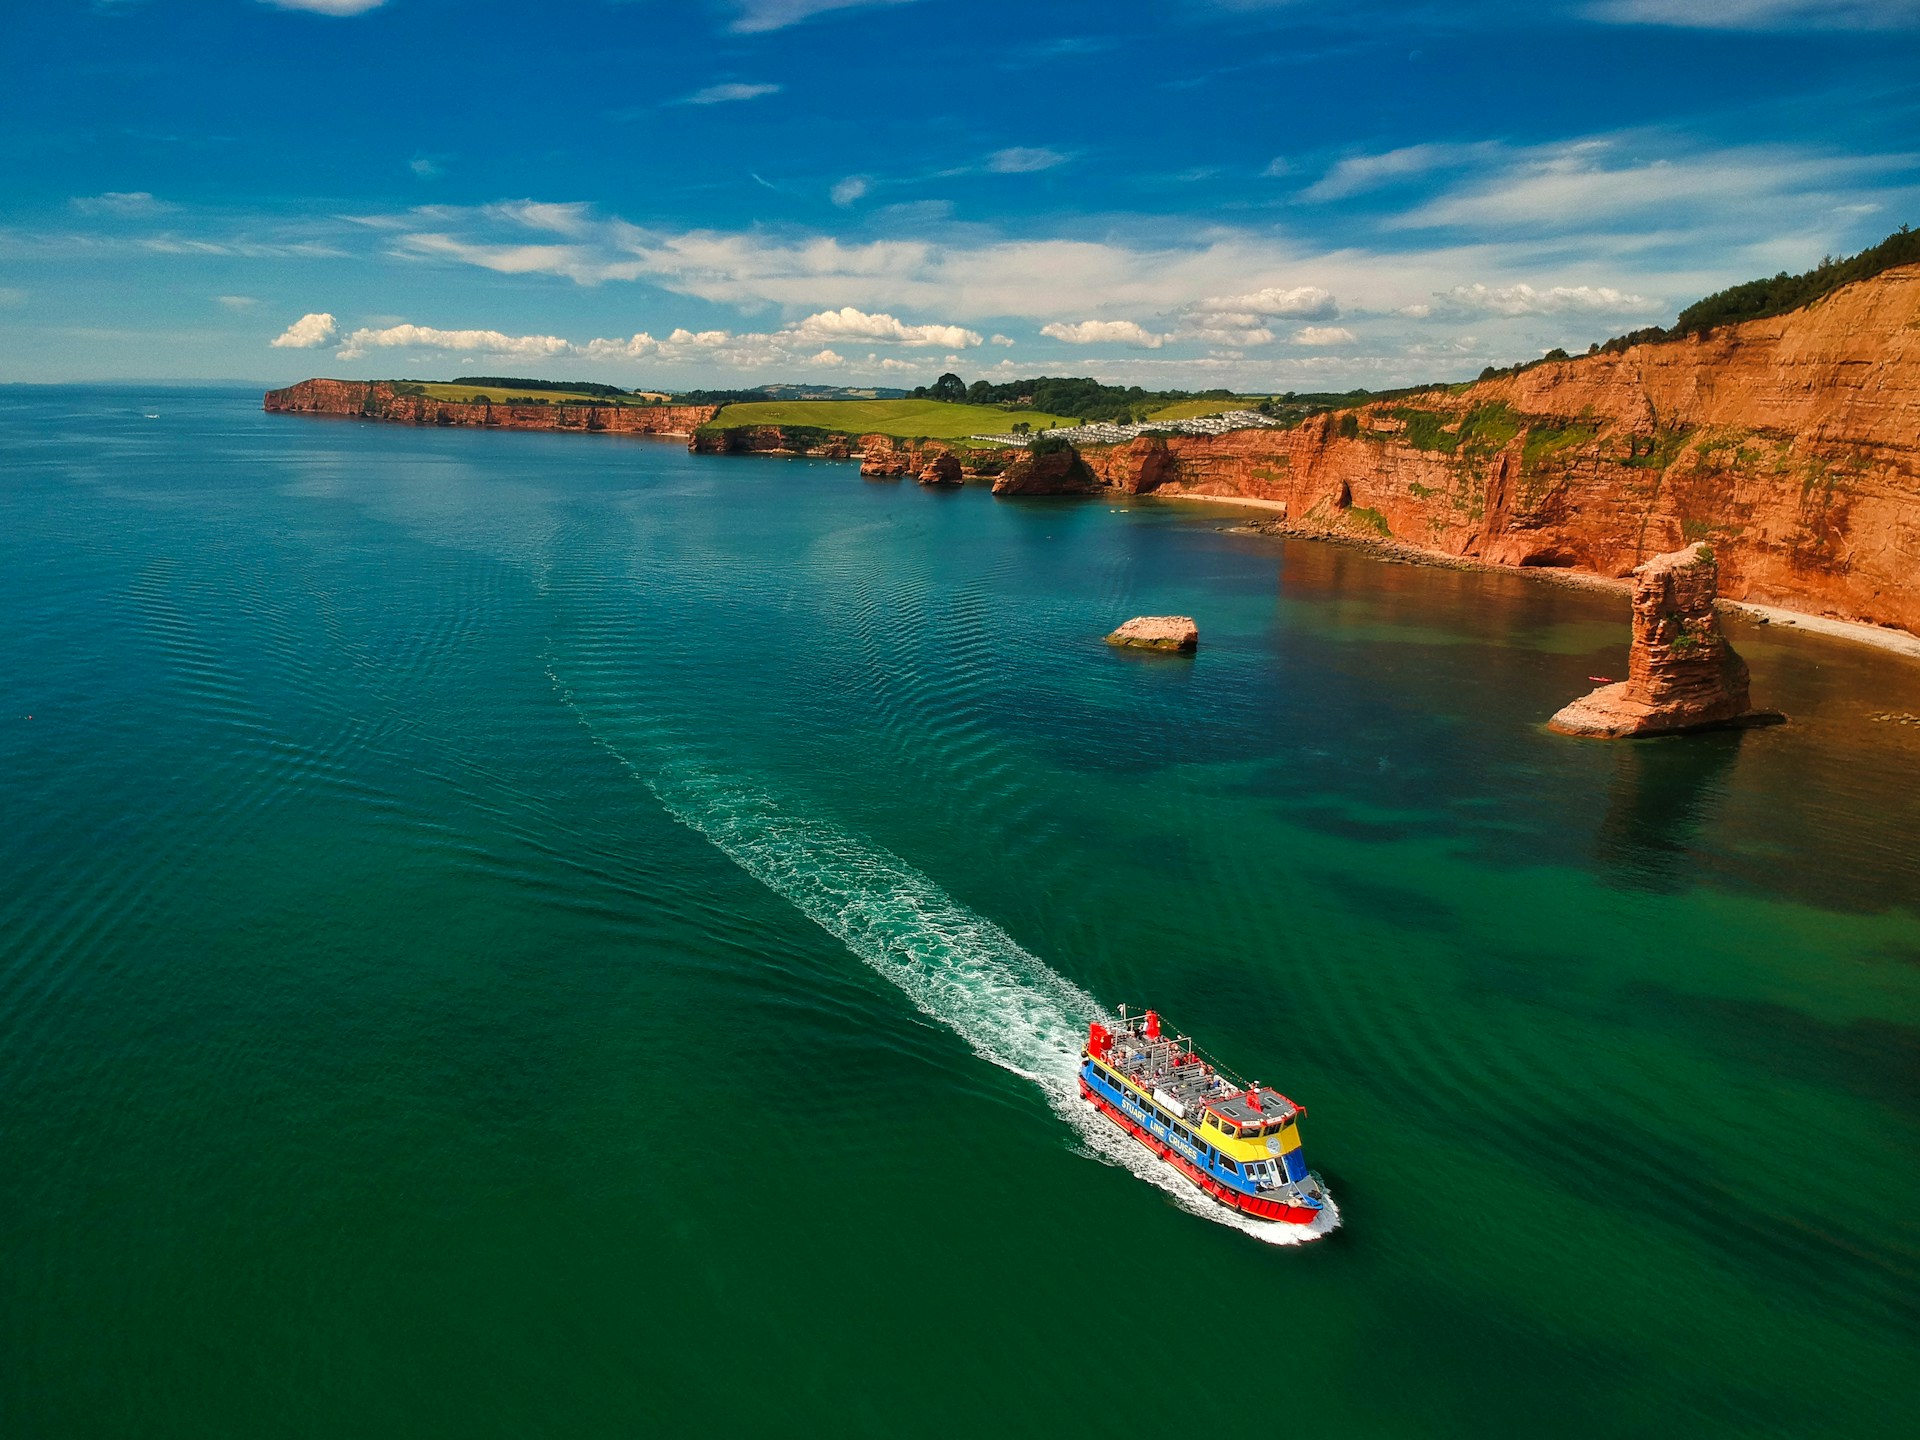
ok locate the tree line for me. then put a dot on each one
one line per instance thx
(1079, 396)
(1776, 295)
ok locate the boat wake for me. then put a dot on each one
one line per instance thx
(955, 966)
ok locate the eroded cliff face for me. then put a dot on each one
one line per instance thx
(1790, 445)
(376, 400)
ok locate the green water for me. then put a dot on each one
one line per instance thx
(510, 935)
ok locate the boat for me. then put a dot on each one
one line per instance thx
(1239, 1142)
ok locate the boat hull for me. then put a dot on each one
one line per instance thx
(1249, 1205)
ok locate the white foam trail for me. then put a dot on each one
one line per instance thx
(956, 967)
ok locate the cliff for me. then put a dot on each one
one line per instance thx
(1682, 674)
(378, 400)
(1791, 445)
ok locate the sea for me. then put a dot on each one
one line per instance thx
(525, 934)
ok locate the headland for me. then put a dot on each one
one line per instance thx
(405, 404)
(1789, 443)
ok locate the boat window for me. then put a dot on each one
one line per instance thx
(1229, 1166)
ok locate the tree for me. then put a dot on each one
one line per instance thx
(949, 387)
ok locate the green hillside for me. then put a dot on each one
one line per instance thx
(509, 395)
(905, 419)
(1193, 409)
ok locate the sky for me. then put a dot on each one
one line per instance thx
(1262, 195)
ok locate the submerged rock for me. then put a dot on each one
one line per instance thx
(1681, 672)
(1172, 633)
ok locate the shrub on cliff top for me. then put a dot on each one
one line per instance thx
(1779, 294)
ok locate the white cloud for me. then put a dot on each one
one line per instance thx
(237, 302)
(1023, 160)
(328, 7)
(120, 202)
(11, 296)
(760, 15)
(1524, 299)
(733, 90)
(1360, 173)
(634, 347)
(565, 217)
(1238, 331)
(421, 337)
(307, 332)
(1719, 216)
(425, 167)
(847, 323)
(1102, 332)
(850, 189)
(1762, 14)
(1563, 186)
(1000, 340)
(1303, 302)
(1323, 335)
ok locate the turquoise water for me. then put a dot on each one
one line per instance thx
(520, 934)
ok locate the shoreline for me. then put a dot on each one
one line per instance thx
(1879, 637)
(330, 393)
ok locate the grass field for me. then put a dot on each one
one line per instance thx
(1193, 409)
(500, 395)
(906, 419)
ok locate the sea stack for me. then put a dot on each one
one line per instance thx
(1048, 467)
(941, 468)
(1174, 634)
(1681, 672)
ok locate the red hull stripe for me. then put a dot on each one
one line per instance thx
(1233, 1199)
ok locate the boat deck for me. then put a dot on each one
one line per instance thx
(1164, 1064)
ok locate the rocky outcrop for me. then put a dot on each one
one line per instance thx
(1172, 634)
(882, 458)
(1681, 672)
(1791, 445)
(770, 440)
(1052, 472)
(379, 400)
(941, 468)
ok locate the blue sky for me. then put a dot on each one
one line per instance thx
(1266, 196)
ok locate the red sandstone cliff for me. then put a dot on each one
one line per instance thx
(377, 400)
(1791, 445)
